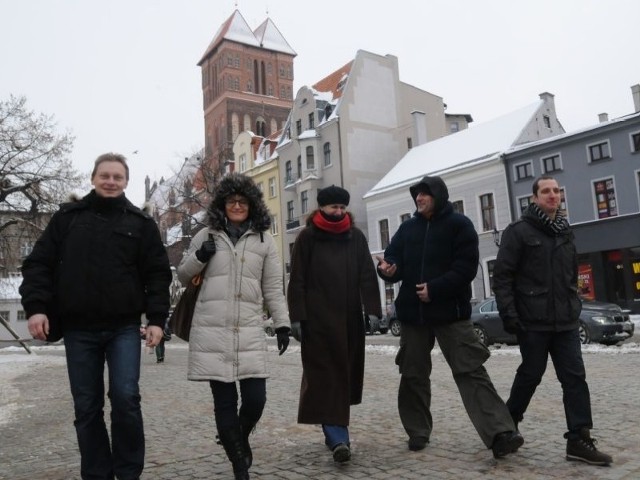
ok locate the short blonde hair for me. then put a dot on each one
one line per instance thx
(110, 157)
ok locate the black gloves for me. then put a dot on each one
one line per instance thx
(513, 326)
(206, 251)
(296, 331)
(282, 336)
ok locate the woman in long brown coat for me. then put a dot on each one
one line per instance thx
(332, 281)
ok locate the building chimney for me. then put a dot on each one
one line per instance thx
(603, 117)
(419, 127)
(635, 92)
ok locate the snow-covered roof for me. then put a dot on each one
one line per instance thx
(236, 29)
(478, 143)
(174, 233)
(160, 196)
(573, 133)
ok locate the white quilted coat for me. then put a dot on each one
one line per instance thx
(227, 340)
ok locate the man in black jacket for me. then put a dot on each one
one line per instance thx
(435, 255)
(97, 268)
(535, 284)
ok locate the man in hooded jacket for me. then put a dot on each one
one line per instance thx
(435, 255)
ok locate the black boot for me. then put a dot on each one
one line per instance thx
(247, 426)
(231, 439)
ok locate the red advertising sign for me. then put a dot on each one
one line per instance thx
(585, 282)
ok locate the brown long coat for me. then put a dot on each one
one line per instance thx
(332, 279)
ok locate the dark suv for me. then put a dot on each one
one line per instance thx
(600, 322)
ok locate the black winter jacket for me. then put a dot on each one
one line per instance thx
(441, 251)
(100, 263)
(536, 276)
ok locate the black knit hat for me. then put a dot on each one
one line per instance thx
(333, 195)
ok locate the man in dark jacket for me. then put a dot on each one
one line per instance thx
(435, 255)
(97, 268)
(535, 284)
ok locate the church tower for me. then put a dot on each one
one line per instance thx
(247, 84)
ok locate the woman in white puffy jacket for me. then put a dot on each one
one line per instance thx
(242, 274)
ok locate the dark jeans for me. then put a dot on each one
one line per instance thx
(225, 402)
(86, 353)
(566, 355)
(160, 350)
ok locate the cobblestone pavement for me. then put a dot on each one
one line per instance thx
(38, 440)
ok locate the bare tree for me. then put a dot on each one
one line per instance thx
(36, 173)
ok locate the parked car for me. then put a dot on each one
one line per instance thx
(600, 322)
(373, 324)
(392, 320)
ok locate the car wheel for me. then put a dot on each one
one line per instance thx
(394, 326)
(383, 331)
(482, 335)
(583, 332)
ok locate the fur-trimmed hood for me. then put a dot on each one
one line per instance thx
(239, 184)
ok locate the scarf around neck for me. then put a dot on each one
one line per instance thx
(557, 225)
(323, 223)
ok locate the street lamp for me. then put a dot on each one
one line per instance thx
(496, 236)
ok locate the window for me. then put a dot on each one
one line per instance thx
(458, 206)
(274, 225)
(290, 210)
(605, 195)
(304, 202)
(487, 212)
(384, 233)
(25, 248)
(404, 217)
(299, 165)
(523, 171)
(298, 126)
(272, 187)
(563, 203)
(288, 178)
(551, 163)
(327, 154)
(599, 151)
(260, 186)
(311, 121)
(243, 162)
(524, 202)
(409, 143)
(547, 121)
(490, 267)
(5, 315)
(454, 127)
(22, 316)
(635, 142)
(311, 164)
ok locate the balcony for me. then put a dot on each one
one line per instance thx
(292, 224)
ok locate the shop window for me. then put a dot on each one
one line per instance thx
(605, 196)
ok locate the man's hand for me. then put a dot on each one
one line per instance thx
(423, 292)
(154, 335)
(39, 326)
(386, 268)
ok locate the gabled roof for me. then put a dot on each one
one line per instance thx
(479, 143)
(236, 29)
(270, 38)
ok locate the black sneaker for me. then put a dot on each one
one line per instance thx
(160, 360)
(583, 449)
(505, 443)
(341, 453)
(417, 443)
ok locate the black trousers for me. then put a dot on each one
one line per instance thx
(253, 392)
(566, 355)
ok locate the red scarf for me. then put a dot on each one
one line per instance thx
(340, 226)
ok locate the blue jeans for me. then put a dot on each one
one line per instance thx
(566, 355)
(335, 434)
(86, 353)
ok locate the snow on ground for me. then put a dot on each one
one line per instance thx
(14, 361)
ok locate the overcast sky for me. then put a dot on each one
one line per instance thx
(121, 75)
